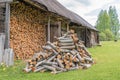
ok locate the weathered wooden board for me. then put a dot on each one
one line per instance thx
(8, 57)
(2, 1)
(2, 42)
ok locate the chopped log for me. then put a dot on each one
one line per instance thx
(85, 49)
(65, 35)
(27, 70)
(88, 59)
(39, 63)
(59, 68)
(85, 66)
(75, 59)
(50, 59)
(52, 45)
(73, 52)
(49, 63)
(38, 69)
(75, 38)
(60, 63)
(59, 56)
(65, 51)
(66, 41)
(47, 48)
(68, 47)
(43, 70)
(79, 57)
(49, 68)
(63, 38)
(73, 68)
(55, 52)
(66, 44)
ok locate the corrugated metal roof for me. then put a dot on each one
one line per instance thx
(55, 7)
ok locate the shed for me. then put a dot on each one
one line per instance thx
(28, 24)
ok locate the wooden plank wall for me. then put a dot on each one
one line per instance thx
(93, 38)
(2, 42)
(2, 17)
(8, 57)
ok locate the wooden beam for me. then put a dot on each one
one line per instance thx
(7, 25)
(48, 29)
(36, 4)
(68, 27)
(59, 28)
(2, 1)
(2, 42)
(85, 37)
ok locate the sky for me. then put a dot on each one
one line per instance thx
(89, 9)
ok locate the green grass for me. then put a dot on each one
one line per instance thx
(107, 67)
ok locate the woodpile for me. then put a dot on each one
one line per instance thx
(27, 33)
(67, 53)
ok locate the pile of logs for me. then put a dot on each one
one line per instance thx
(67, 53)
(27, 33)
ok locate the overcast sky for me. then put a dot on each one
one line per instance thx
(89, 9)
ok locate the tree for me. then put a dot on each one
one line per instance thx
(99, 24)
(103, 21)
(114, 21)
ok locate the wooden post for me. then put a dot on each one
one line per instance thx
(59, 28)
(85, 36)
(49, 29)
(68, 27)
(8, 57)
(7, 25)
(2, 43)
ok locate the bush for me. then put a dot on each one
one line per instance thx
(102, 36)
(109, 35)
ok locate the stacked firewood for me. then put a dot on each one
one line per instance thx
(27, 33)
(67, 53)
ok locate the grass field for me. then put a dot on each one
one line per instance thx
(107, 67)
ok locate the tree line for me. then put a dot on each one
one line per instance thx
(108, 24)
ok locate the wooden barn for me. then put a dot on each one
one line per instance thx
(28, 24)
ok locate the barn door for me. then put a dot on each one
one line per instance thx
(88, 38)
(54, 32)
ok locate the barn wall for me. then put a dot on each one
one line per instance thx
(94, 38)
(80, 33)
(27, 33)
(84, 34)
(88, 38)
(93, 41)
(2, 17)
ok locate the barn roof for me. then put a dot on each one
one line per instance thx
(55, 7)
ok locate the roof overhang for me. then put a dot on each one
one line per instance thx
(2, 1)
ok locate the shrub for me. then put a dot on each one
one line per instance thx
(102, 36)
(109, 35)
